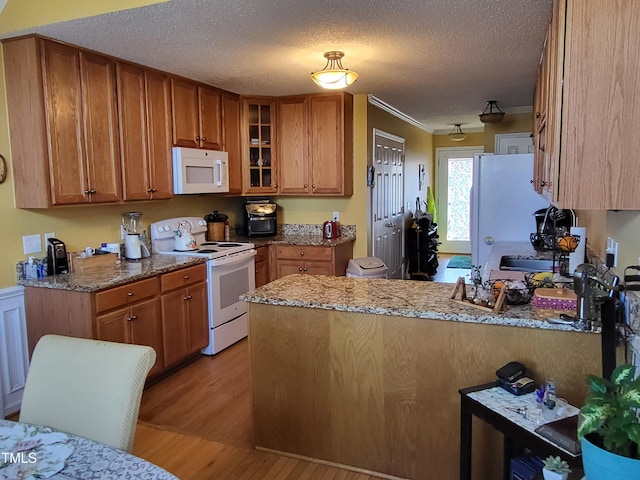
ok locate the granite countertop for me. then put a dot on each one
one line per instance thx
(301, 234)
(101, 278)
(405, 298)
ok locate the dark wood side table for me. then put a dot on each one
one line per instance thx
(496, 407)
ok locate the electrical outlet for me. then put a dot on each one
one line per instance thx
(31, 244)
(49, 235)
(336, 216)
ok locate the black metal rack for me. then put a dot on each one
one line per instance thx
(422, 249)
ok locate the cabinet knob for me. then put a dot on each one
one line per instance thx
(313, 186)
(188, 297)
(299, 269)
(531, 181)
(197, 138)
(542, 184)
(305, 185)
(149, 190)
(537, 114)
(154, 190)
(87, 192)
(204, 139)
(129, 294)
(302, 254)
(187, 277)
(132, 317)
(305, 269)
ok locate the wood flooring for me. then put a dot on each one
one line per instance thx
(197, 424)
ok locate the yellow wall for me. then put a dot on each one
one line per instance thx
(21, 14)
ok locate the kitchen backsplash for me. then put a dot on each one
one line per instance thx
(312, 229)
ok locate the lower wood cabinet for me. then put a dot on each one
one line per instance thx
(314, 260)
(185, 327)
(137, 324)
(262, 265)
(167, 312)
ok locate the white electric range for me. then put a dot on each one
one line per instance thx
(230, 273)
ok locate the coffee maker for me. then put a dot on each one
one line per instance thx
(134, 236)
(57, 261)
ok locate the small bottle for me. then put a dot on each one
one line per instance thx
(226, 232)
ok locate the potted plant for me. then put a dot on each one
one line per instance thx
(555, 468)
(609, 429)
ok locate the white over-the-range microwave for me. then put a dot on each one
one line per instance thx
(197, 170)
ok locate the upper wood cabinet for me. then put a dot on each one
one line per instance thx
(197, 118)
(144, 101)
(592, 115)
(63, 124)
(315, 144)
(231, 139)
(258, 145)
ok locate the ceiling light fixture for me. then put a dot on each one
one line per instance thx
(456, 134)
(489, 116)
(334, 75)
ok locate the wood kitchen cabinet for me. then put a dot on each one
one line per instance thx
(144, 107)
(197, 117)
(315, 147)
(61, 156)
(131, 314)
(314, 260)
(185, 325)
(258, 145)
(262, 265)
(150, 312)
(591, 136)
(231, 139)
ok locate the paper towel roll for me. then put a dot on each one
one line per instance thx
(577, 257)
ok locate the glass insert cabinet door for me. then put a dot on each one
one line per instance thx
(260, 139)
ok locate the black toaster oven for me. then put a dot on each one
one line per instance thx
(261, 218)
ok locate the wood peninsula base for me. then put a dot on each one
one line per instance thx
(380, 392)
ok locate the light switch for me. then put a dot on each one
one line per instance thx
(31, 244)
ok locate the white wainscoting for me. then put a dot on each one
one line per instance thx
(14, 351)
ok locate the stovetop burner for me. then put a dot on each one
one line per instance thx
(163, 240)
(222, 245)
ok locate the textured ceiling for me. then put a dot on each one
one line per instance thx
(437, 61)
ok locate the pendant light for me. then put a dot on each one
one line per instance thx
(334, 76)
(489, 115)
(456, 134)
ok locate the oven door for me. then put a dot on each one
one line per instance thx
(228, 279)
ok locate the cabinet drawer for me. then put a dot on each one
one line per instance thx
(183, 277)
(262, 254)
(306, 253)
(126, 294)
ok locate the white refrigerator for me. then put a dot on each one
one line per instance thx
(503, 202)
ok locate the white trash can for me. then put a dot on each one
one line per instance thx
(366, 267)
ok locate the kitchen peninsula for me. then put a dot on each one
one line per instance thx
(366, 372)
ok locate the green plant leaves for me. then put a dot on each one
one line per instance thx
(611, 411)
(623, 374)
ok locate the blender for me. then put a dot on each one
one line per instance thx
(134, 234)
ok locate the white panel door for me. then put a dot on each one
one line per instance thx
(387, 202)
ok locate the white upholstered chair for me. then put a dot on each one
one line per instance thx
(89, 388)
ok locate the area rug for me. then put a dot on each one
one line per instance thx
(460, 261)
